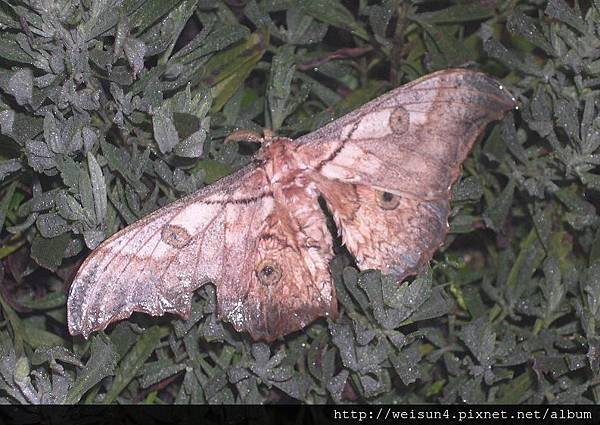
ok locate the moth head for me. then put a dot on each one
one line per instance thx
(268, 272)
(387, 200)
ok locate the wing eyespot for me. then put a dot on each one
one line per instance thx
(387, 200)
(176, 236)
(268, 272)
(399, 120)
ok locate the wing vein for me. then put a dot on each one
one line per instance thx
(201, 240)
(127, 263)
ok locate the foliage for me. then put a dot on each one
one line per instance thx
(112, 108)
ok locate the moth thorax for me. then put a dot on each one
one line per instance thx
(280, 159)
(268, 272)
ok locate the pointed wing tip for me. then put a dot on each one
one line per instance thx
(74, 312)
(85, 318)
(79, 319)
(77, 331)
(500, 96)
(504, 101)
(77, 324)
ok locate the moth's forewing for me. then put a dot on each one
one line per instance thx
(154, 265)
(230, 234)
(408, 146)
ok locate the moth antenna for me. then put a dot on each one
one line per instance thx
(245, 135)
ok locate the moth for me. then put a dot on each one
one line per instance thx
(385, 172)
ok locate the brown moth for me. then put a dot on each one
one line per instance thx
(385, 172)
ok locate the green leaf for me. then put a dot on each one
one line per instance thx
(407, 298)
(332, 12)
(437, 305)
(39, 156)
(459, 13)
(336, 385)
(220, 37)
(98, 188)
(530, 256)
(554, 291)
(51, 225)
(133, 361)
(150, 12)
(303, 29)
(49, 252)
(155, 372)
(517, 389)
(10, 50)
(8, 167)
(226, 71)
(525, 26)
(213, 170)
(496, 50)
(6, 202)
(135, 49)
(36, 337)
(406, 364)
(101, 364)
(452, 51)
(496, 214)
(49, 301)
(16, 325)
(468, 189)
(20, 85)
(51, 354)
(102, 17)
(558, 9)
(183, 123)
(280, 86)
(481, 340)
(165, 132)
